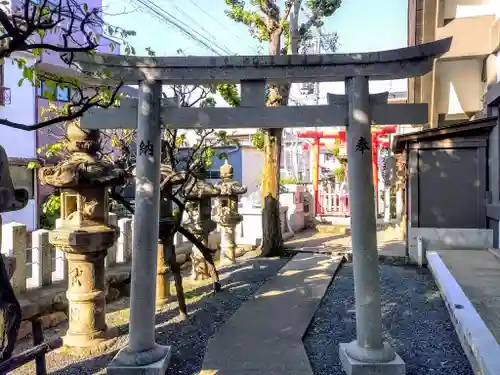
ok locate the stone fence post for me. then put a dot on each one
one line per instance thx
(124, 242)
(41, 258)
(14, 245)
(61, 272)
(111, 257)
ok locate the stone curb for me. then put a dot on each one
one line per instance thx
(477, 341)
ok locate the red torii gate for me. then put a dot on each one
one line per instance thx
(377, 142)
(316, 144)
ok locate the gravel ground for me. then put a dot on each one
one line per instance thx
(416, 324)
(188, 339)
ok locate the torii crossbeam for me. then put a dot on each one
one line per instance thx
(356, 110)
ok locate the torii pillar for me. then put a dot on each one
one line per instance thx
(367, 354)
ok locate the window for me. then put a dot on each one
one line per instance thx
(43, 91)
(63, 94)
(23, 178)
(212, 175)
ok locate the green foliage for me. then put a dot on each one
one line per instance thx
(336, 152)
(258, 139)
(340, 173)
(263, 18)
(256, 24)
(289, 180)
(33, 165)
(229, 93)
(51, 210)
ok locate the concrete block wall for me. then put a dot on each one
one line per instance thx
(447, 238)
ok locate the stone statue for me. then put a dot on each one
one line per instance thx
(11, 199)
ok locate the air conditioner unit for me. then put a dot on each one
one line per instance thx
(307, 88)
(4, 95)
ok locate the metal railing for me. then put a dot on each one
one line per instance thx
(36, 353)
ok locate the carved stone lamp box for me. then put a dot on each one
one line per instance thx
(83, 213)
(229, 203)
(205, 212)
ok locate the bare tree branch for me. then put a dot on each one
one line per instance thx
(77, 29)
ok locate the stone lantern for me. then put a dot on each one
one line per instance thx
(199, 207)
(167, 222)
(84, 234)
(11, 199)
(227, 212)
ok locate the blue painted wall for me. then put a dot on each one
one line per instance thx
(234, 158)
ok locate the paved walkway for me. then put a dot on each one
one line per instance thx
(389, 242)
(264, 336)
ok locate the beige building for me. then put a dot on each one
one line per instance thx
(456, 88)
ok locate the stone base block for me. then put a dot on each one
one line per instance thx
(117, 367)
(355, 367)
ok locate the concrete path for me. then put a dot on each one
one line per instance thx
(265, 335)
(478, 274)
(390, 244)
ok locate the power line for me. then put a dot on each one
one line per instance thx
(214, 38)
(166, 17)
(225, 27)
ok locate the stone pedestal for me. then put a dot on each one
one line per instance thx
(151, 362)
(199, 267)
(354, 367)
(85, 251)
(228, 244)
(87, 300)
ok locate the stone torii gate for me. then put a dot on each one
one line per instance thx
(368, 352)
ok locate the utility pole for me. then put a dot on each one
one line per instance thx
(294, 49)
(294, 27)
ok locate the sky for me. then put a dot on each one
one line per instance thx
(361, 25)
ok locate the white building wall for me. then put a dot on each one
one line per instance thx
(469, 8)
(459, 95)
(19, 143)
(252, 163)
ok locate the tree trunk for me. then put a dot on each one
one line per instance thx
(10, 313)
(272, 239)
(171, 258)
